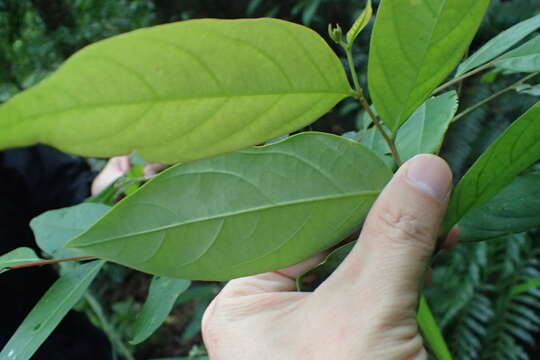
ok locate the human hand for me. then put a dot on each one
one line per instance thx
(366, 309)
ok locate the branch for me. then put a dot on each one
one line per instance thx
(48, 262)
(464, 76)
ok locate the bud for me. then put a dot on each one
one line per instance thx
(335, 33)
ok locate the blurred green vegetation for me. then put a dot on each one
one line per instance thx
(471, 292)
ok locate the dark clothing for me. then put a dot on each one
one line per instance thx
(32, 181)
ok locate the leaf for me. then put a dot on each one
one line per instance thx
(423, 132)
(431, 331)
(414, 46)
(49, 311)
(526, 286)
(533, 90)
(499, 44)
(159, 303)
(514, 151)
(22, 255)
(181, 91)
(514, 210)
(360, 23)
(242, 213)
(325, 268)
(525, 58)
(54, 228)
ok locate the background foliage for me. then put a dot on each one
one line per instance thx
(472, 293)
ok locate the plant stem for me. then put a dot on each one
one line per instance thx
(464, 76)
(494, 96)
(359, 95)
(107, 327)
(48, 262)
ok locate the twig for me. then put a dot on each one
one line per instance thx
(48, 262)
(494, 96)
(464, 76)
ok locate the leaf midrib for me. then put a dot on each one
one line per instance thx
(224, 215)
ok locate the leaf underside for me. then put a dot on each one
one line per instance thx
(242, 213)
(181, 91)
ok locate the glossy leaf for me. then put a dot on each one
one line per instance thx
(22, 255)
(422, 133)
(181, 91)
(159, 303)
(360, 23)
(525, 58)
(514, 151)
(414, 46)
(242, 213)
(431, 332)
(49, 311)
(514, 210)
(499, 44)
(54, 228)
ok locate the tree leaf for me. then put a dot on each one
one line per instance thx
(242, 213)
(49, 311)
(499, 44)
(422, 133)
(431, 331)
(515, 150)
(159, 303)
(22, 255)
(181, 91)
(415, 45)
(54, 228)
(360, 23)
(525, 58)
(514, 210)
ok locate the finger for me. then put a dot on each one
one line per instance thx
(400, 231)
(275, 281)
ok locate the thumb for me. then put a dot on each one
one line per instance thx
(400, 232)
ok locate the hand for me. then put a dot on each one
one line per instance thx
(366, 309)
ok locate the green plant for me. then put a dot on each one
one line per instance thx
(237, 212)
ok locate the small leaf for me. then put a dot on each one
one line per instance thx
(422, 133)
(533, 90)
(499, 44)
(159, 303)
(49, 311)
(360, 23)
(525, 58)
(514, 151)
(54, 228)
(432, 333)
(242, 213)
(415, 45)
(526, 286)
(514, 210)
(180, 92)
(22, 255)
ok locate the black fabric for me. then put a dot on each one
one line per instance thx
(32, 181)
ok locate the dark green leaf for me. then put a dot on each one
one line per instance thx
(49, 311)
(159, 303)
(181, 91)
(242, 213)
(514, 151)
(54, 228)
(500, 44)
(415, 45)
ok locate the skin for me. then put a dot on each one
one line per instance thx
(366, 309)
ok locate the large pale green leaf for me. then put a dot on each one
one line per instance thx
(49, 311)
(161, 298)
(181, 91)
(525, 58)
(515, 209)
(499, 44)
(515, 150)
(242, 213)
(422, 133)
(415, 45)
(18, 256)
(54, 228)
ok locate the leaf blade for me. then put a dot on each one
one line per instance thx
(22, 255)
(414, 46)
(525, 58)
(227, 206)
(204, 104)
